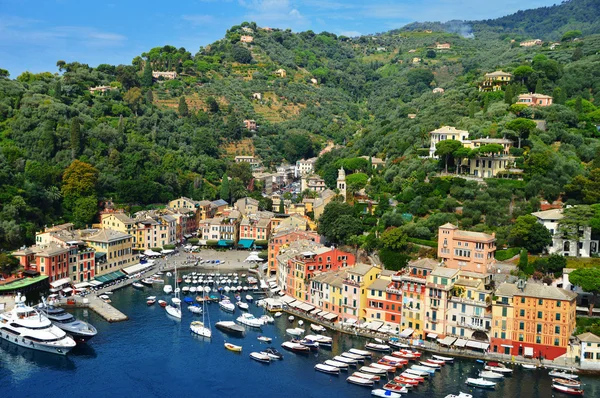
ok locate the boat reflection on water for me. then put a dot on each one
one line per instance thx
(21, 360)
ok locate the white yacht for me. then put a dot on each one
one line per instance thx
(249, 320)
(80, 330)
(25, 326)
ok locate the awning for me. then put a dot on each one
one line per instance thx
(528, 352)
(224, 243)
(432, 336)
(306, 307)
(315, 311)
(406, 332)
(245, 243)
(110, 277)
(287, 299)
(83, 285)
(506, 345)
(167, 251)
(67, 290)
(60, 282)
(151, 253)
(329, 316)
(477, 345)
(351, 321)
(375, 325)
(187, 236)
(202, 242)
(447, 341)
(134, 269)
(460, 343)
(95, 283)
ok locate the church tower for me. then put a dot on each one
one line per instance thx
(341, 182)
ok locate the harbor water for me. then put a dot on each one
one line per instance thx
(153, 355)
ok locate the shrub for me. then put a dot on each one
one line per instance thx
(503, 255)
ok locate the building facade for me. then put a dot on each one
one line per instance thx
(466, 250)
(585, 247)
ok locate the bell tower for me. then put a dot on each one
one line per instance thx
(341, 182)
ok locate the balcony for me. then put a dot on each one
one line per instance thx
(352, 282)
(393, 290)
(464, 300)
(433, 320)
(471, 326)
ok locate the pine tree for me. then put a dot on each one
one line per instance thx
(147, 76)
(539, 87)
(183, 107)
(75, 138)
(281, 206)
(224, 194)
(149, 97)
(577, 54)
(508, 94)
(472, 109)
(57, 89)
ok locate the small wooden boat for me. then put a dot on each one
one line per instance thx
(488, 374)
(400, 354)
(151, 300)
(366, 376)
(567, 382)
(340, 365)
(395, 388)
(395, 360)
(436, 361)
(372, 370)
(350, 355)
(260, 357)
(377, 347)
(162, 303)
(342, 359)
(423, 369)
(481, 383)
(233, 347)
(384, 393)
(406, 381)
(264, 339)
(317, 328)
(498, 368)
(387, 368)
(327, 369)
(277, 314)
(409, 375)
(567, 390)
(416, 372)
(445, 359)
(460, 395)
(137, 285)
(563, 375)
(359, 381)
(291, 318)
(528, 366)
(430, 365)
(363, 353)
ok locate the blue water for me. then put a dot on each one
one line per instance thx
(152, 355)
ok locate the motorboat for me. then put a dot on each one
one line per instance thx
(367, 376)
(350, 355)
(327, 369)
(233, 347)
(567, 390)
(372, 370)
(169, 274)
(488, 374)
(227, 305)
(168, 289)
(300, 322)
(230, 327)
(339, 365)
(387, 368)
(193, 289)
(460, 395)
(445, 359)
(260, 357)
(528, 366)
(498, 369)
(242, 305)
(147, 281)
(27, 327)
(264, 339)
(195, 309)
(481, 383)
(567, 382)
(435, 361)
(363, 353)
(267, 319)
(79, 330)
(416, 372)
(137, 285)
(325, 341)
(314, 345)
(296, 332)
(248, 319)
(377, 347)
(360, 381)
(295, 347)
(317, 328)
(273, 353)
(423, 369)
(291, 318)
(200, 329)
(430, 365)
(249, 298)
(409, 375)
(348, 361)
(393, 387)
(151, 300)
(379, 392)
(162, 303)
(277, 314)
(563, 375)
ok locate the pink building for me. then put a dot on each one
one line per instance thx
(534, 99)
(466, 250)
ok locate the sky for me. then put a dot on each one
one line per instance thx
(34, 34)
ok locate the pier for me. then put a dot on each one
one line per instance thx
(102, 308)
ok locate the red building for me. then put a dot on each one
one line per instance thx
(284, 238)
(51, 260)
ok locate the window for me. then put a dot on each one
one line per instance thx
(504, 311)
(557, 330)
(539, 314)
(522, 313)
(558, 303)
(540, 302)
(558, 316)
(522, 300)
(521, 337)
(539, 328)
(556, 341)
(538, 340)
(521, 325)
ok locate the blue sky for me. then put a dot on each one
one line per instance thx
(35, 34)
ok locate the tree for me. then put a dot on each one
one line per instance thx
(575, 220)
(577, 54)
(281, 205)
(8, 264)
(332, 212)
(528, 233)
(79, 180)
(147, 75)
(85, 209)
(298, 145)
(75, 134)
(588, 279)
(394, 239)
(213, 105)
(133, 97)
(523, 73)
(570, 35)
(523, 262)
(225, 193)
(460, 154)
(416, 76)
(393, 260)
(431, 53)
(556, 263)
(149, 97)
(183, 107)
(523, 127)
(343, 228)
(446, 148)
(241, 54)
(539, 88)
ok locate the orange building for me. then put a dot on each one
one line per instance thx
(532, 320)
(466, 250)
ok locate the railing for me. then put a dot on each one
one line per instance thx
(393, 290)
(351, 282)
(434, 320)
(474, 327)
(469, 301)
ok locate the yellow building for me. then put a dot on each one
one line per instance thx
(355, 292)
(495, 80)
(114, 250)
(118, 222)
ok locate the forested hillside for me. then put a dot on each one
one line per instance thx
(145, 141)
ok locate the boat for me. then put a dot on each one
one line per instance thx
(296, 332)
(227, 305)
(567, 390)
(78, 330)
(567, 382)
(300, 322)
(137, 285)
(195, 309)
(408, 375)
(360, 381)
(264, 339)
(460, 395)
(230, 327)
(406, 381)
(430, 365)
(193, 289)
(260, 357)
(104, 298)
(27, 327)
(317, 328)
(327, 369)
(242, 305)
(277, 314)
(367, 376)
(168, 289)
(169, 274)
(248, 319)
(445, 359)
(528, 366)
(348, 361)
(201, 329)
(185, 289)
(423, 369)
(249, 298)
(350, 355)
(488, 374)
(162, 303)
(400, 354)
(397, 362)
(147, 281)
(151, 300)
(363, 353)
(481, 383)
(416, 372)
(291, 318)
(498, 368)
(384, 393)
(340, 365)
(267, 319)
(435, 361)
(295, 347)
(563, 375)
(233, 347)
(372, 370)
(387, 368)
(377, 347)
(273, 353)
(395, 388)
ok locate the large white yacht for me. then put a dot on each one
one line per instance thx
(25, 326)
(80, 330)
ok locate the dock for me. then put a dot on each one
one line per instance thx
(99, 306)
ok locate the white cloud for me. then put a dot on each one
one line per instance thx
(280, 13)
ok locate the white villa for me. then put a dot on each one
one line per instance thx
(560, 245)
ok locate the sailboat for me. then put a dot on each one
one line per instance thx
(174, 309)
(201, 328)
